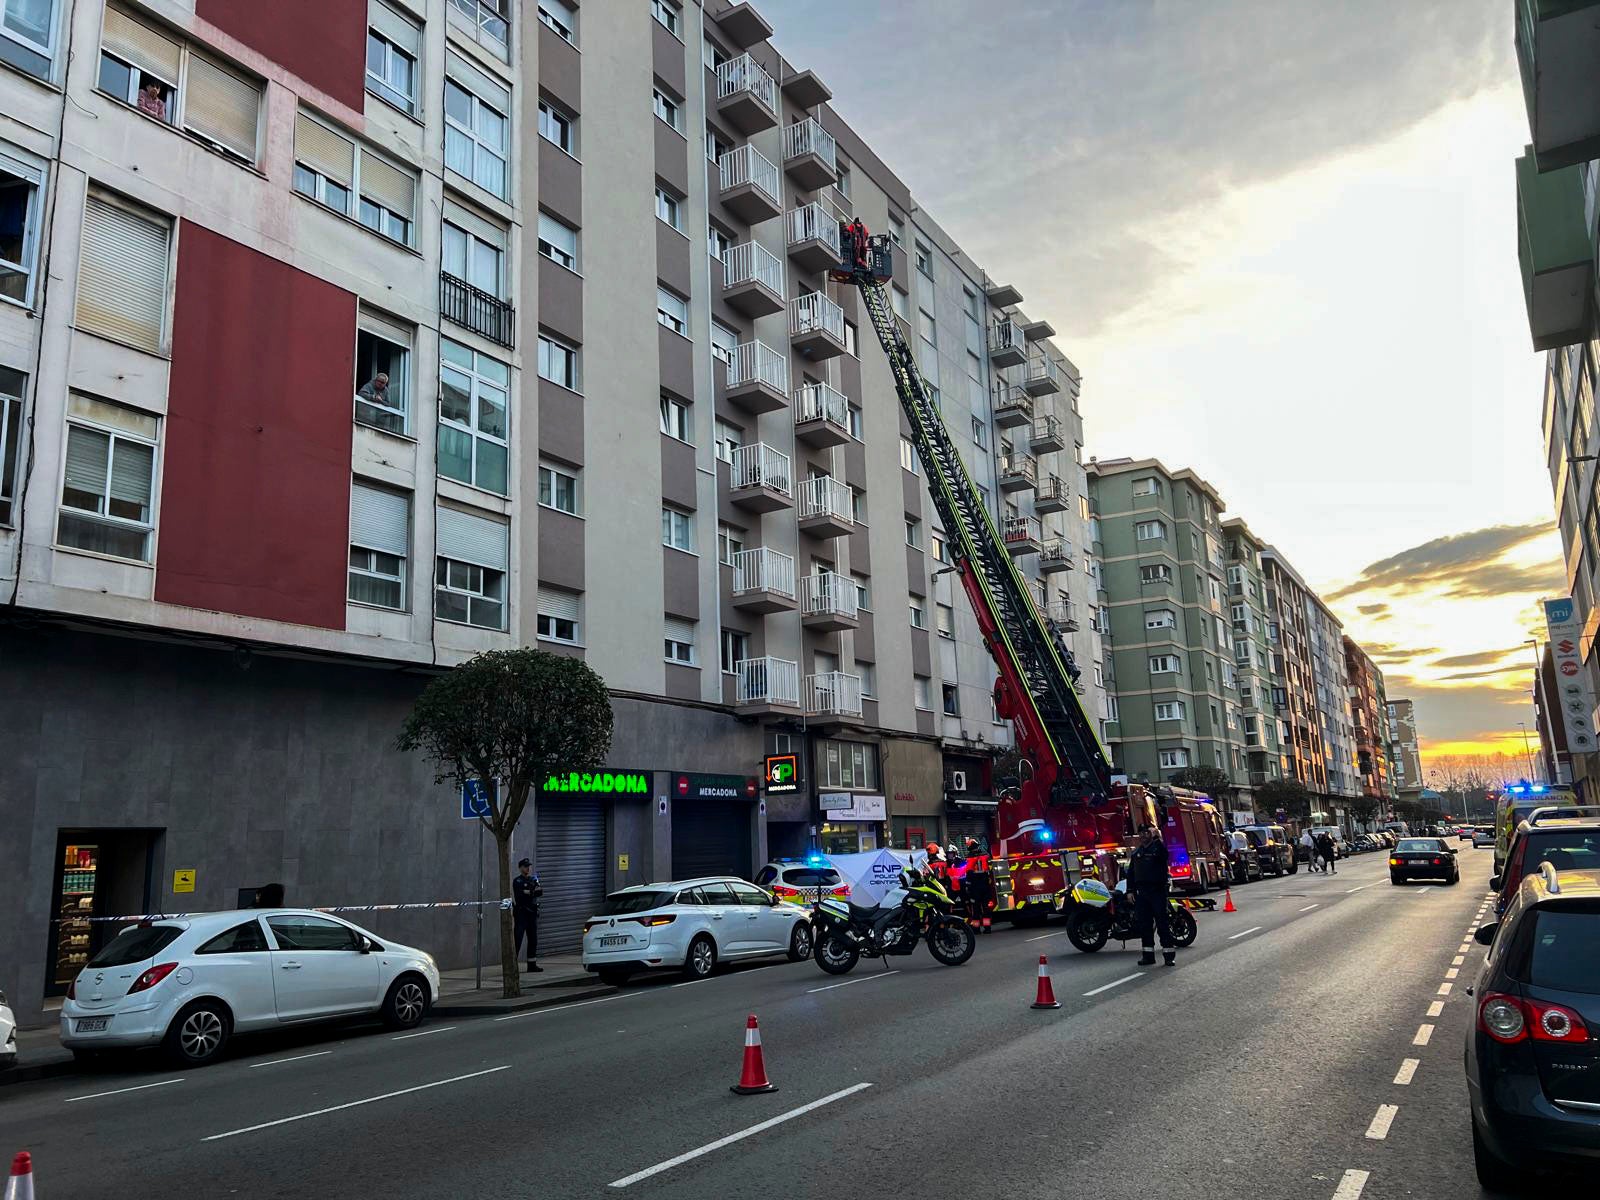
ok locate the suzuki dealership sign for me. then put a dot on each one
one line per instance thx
(1574, 692)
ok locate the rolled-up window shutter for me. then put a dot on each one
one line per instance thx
(379, 519)
(553, 602)
(399, 30)
(323, 150)
(388, 185)
(222, 107)
(140, 45)
(122, 275)
(469, 538)
(680, 630)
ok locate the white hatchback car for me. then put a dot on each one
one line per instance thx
(691, 925)
(190, 983)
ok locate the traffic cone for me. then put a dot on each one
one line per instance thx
(20, 1185)
(1046, 997)
(753, 1078)
(1228, 901)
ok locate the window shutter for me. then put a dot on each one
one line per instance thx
(563, 606)
(122, 275)
(473, 539)
(402, 32)
(388, 185)
(132, 465)
(140, 45)
(678, 630)
(323, 150)
(222, 107)
(86, 460)
(379, 519)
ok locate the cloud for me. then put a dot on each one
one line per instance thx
(1376, 611)
(1389, 653)
(1508, 673)
(1461, 565)
(1481, 658)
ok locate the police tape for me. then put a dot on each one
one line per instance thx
(336, 908)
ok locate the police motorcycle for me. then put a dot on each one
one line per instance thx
(1097, 913)
(843, 932)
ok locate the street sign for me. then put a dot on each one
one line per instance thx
(1577, 691)
(622, 862)
(183, 880)
(474, 800)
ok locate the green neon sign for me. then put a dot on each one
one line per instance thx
(628, 783)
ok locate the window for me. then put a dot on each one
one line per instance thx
(735, 649)
(952, 700)
(474, 252)
(558, 619)
(380, 529)
(901, 304)
(669, 209)
(311, 934)
(1157, 573)
(672, 311)
(1161, 664)
(393, 43)
(847, 764)
(712, 55)
(560, 18)
(669, 15)
(983, 496)
(922, 691)
(980, 436)
(945, 617)
(854, 413)
(939, 548)
(1170, 759)
(558, 126)
(869, 679)
(241, 939)
(1145, 487)
(677, 529)
(11, 387)
(718, 241)
(678, 641)
(109, 479)
(473, 417)
(668, 108)
(858, 506)
(558, 362)
(913, 532)
(897, 230)
(1150, 531)
(122, 273)
(728, 436)
(716, 144)
(476, 133)
(469, 594)
(908, 455)
(490, 20)
(924, 260)
(558, 488)
(863, 592)
(723, 340)
(927, 330)
(27, 35)
(675, 418)
(558, 242)
(1160, 618)
(842, 184)
(1171, 711)
(919, 615)
(730, 541)
(383, 373)
(21, 186)
(327, 169)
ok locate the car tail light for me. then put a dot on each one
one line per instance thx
(72, 990)
(1393, 861)
(656, 919)
(1438, 862)
(152, 977)
(1182, 869)
(783, 891)
(842, 891)
(1502, 1018)
(1553, 1023)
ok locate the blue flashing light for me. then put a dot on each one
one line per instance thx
(1539, 787)
(1046, 836)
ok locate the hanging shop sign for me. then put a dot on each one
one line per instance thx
(782, 774)
(627, 783)
(691, 786)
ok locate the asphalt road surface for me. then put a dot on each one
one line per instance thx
(1307, 1048)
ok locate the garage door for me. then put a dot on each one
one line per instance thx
(571, 867)
(711, 837)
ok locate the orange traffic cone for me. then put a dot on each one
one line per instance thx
(1046, 997)
(753, 1078)
(1228, 901)
(20, 1185)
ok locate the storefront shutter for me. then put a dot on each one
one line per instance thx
(379, 519)
(710, 837)
(140, 45)
(571, 863)
(222, 107)
(122, 274)
(323, 150)
(388, 185)
(467, 537)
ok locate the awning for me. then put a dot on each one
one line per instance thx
(976, 803)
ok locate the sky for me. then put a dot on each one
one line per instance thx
(1279, 240)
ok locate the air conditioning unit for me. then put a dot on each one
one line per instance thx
(958, 781)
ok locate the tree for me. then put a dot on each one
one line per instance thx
(1213, 781)
(1365, 808)
(516, 716)
(1288, 794)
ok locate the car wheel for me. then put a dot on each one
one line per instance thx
(1294, 868)
(197, 1034)
(1455, 878)
(1493, 1174)
(407, 1002)
(614, 976)
(800, 942)
(701, 959)
(1395, 879)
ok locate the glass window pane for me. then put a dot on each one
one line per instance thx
(455, 453)
(450, 606)
(491, 411)
(491, 466)
(455, 396)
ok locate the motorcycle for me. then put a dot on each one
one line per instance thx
(842, 932)
(1100, 913)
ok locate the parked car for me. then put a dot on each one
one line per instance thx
(1423, 858)
(1388, 837)
(189, 984)
(1365, 843)
(1568, 839)
(691, 925)
(1272, 845)
(1482, 835)
(1533, 1073)
(1463, 833)
(8, 1035)
(1244, 864)
(802, 881)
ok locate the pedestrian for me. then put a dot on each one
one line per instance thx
(525, 893)
(1328, 851)
(1147, 889)
(1309, 845)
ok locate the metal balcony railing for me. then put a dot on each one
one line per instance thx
(767, 681)
(474, 309)
(833, 692)
(1006, 334)
(824, 496)
(759, 465)
(746, 164)
(1017, 465)
(828, 593)
(757, 362)
(1052, 491)
(763, 570)
(813, 222)
(1043, 369)
(819, 402)
(1062, 613)
(1046, 429)
(752, 261)
(808, 137)
(1056, 552)
(744, 74)
(1012, 405)
(1020, 529)
(815, 312)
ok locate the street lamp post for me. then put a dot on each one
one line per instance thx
(1526, 752)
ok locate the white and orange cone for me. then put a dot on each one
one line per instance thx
(753, 1077)
(20, 1185)
(1046, 996)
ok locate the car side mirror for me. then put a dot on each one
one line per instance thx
(772, 900)
(366, 945)
(1494, 883)
(1486, 933)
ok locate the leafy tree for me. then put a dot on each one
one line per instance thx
(1288, 794)
(1213, 781)
(1365, 808)
(517, 716)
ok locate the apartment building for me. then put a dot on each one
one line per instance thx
(341, 341)
(1403, 750)
(1558, 249)
(1555, 752)
(1369, 712)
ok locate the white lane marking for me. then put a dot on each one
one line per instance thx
(1458, 960)
(296, 1058)
(1351, 1185)
(1244, 933)
(1354, 890)
(539, 1012)
(1041, 937)
(761, 1127)
(1407, 1071)
(1114, 983)
(421, 1033)
(1309, 907)
(1452, 972)
(1445, 989)
(848, 982)
(119, 1091)
(1466, 947)
(1436, 1008)
(421, 1087)
(1424, 1032)
(1379, 1129)
(1420, 890)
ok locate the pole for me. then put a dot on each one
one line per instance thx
(477, 966)
(1526, 752)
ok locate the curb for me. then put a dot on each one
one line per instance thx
(484, 1008)
(27, 1072)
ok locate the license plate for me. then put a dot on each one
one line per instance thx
(92, 1024)
(621, 940)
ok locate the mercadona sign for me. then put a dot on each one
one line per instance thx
(626, 783)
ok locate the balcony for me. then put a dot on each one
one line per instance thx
(750, 187)
(1047, 437)
(1043, 377)
(833, 694)
(1062, 613)
(1003, 295)
(746, 95)
(1558, 45)
(1036, 331)
(1012, 406)
(824, 510)
(1017, 471)
(816, 326)
(757, 378)
(766, 686)
(1021, 536)
(809, 155)
(742, 25)
(763, 581)
(805, 89)
(1556, 252)
(1052, 496)
(1055, 555)
(759, 478)
(821, 416)
(828, 602)
(752, 279)
(474, 309)
(813, 238)
(1008, 346)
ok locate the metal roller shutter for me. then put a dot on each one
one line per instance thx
(140, 45)
(323, 150)
(710, 837)
(379, 519)
(122, 274)
(222, 107)
(571, 867)
(467, 537)
(965, 825)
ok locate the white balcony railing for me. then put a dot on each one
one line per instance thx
(759, 465)
(814, 312)
(763, 570)
(751, 261)
(1004, 334)
(768, 681)
(746, 164)
(827, 593)
(1057, 552)
(807, 137)
(812, 222)
(744, 74)
(824, 496)
(833, 692)
(819, 402)
(757, 362)
(1042, 368)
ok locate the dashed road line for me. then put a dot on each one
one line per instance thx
(421, 1087)
(421, 1033)
(539, 1012)
(1458, 960)
(1452, 972)
(1350, 1187)
(1421, 890)
(1041, 937)
(1407, 1071)
(119, 1091)
(1309, 907)
(1424, 1033)
(1115, 983)
(296, 1058)
(1436, 1008)
(1354, 890)
(1445, 989)
(860, 979)
(1233, 937)
(1379, 1129)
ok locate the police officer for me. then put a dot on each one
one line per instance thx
(1147, 888)
(525, 893)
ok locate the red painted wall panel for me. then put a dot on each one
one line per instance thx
(255, 485)
(322, 41)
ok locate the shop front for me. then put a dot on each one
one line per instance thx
(912, 778)
(851, 822)
(572, 814)
(969, 802)
(716, 825)
(98, 873)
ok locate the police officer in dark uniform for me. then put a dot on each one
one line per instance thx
(1147, 888)
(525, 893)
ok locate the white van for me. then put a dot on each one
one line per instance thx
(1340, 846)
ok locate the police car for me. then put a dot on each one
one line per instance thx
(803, 880)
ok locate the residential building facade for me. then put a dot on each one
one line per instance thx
(1369, 711)
(1403, 752)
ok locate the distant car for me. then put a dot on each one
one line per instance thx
(1271, 844)
(1341, 848)
(8, 1035)
(1244, 864)
(1365, 843)
(1482, 835)
(1388, 837)
(691, 925)
(190, 983)
(1423, 858)
(1463, 833)
(1533, 1073)
(1567, 838)
(802, 881)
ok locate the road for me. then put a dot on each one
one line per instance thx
(1308, 1047)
